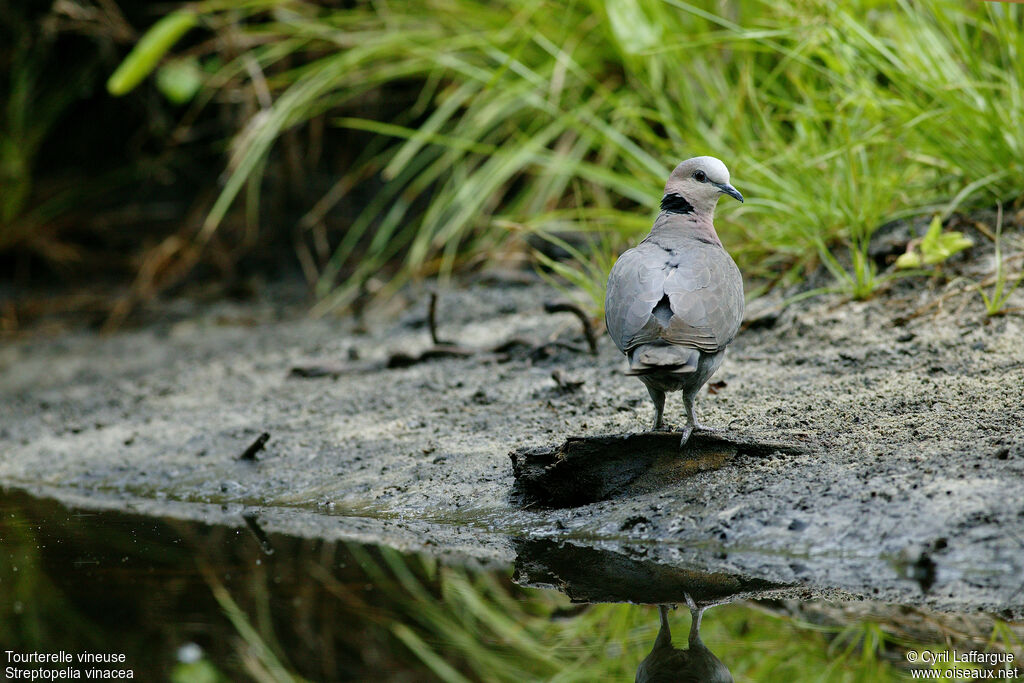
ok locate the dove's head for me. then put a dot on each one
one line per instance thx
(695, 186)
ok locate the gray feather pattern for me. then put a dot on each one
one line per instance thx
(701, 281)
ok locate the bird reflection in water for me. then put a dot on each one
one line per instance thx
(666, 664)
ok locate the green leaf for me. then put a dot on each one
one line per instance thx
(937, 246)
(144, 57)
(910, 259)
(179, 80)
(953, 242)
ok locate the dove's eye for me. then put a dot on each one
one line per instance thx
(700, 177)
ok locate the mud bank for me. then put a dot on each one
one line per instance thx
(907, 486)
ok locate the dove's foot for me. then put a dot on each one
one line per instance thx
(686, 431)
(694, 607)
(704, 429)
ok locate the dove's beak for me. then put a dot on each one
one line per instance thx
(728, 189)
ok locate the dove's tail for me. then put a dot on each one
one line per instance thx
(650, 358)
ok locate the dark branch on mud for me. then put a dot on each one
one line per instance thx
(503, 351)
(588, 329)
(586, 469)
(404, 360)
(255, 447)
(432, 321)
(317, 370)
(565, 383)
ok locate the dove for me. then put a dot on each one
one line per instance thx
(675, 301)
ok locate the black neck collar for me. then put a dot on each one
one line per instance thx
(675, 203)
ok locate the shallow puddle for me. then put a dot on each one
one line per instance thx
(102, 594)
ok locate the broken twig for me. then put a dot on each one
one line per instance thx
(566, 384)
(432, 321)
(588, 329)
(503, 351)
(318, 370)
(255, 447)
(400, 359)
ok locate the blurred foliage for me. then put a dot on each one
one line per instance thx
(377, 142)
(89, 185)
(97, 192)
(149, 50)
(564, 119)
(33, 104)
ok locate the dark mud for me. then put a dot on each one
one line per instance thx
(907, 487)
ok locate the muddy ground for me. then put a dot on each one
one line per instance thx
(908, 408)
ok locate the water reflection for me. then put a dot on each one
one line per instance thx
(667, 664)
(591, 575)
(187, 601)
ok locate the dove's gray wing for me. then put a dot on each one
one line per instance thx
(705, 292)
(635, 286)
(688, 293)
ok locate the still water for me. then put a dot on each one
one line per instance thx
(102, 595)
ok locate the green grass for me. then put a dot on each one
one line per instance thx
(834, 117)
(1003, 284)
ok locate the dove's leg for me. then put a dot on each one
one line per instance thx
(695, 615)
(658, 396)
(664, 634)
(709, 364)
(689, 400)
(691, 417)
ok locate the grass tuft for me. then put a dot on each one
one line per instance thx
(834, 117)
